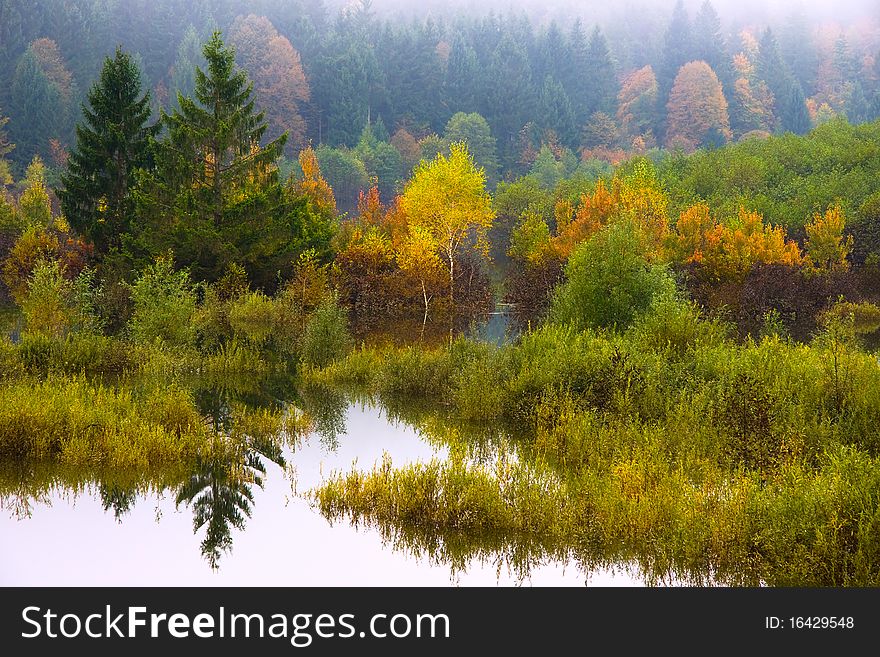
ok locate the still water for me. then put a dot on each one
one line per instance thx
(69, 538)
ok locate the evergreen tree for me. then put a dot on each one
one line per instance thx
(5, 146)
(573, 76)
(798, 47)
(710, 45)
(214, 197)
(678, 50)
(36, 109)
(189, 57)
(874, 107)
(771, 68)
(794, 113)
(600, 76)
(111, 142)
(509, 98)
(856, 107)
(555, 112)
(462, 75)
(344, 87)
(551, 54)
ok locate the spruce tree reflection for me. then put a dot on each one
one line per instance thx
(220, 492)
(115, 497)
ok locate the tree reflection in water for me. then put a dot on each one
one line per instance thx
(220, 492)
(118, 498)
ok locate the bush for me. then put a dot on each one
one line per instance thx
(253, 318)
(164, 305)
(326, 336)
(609, 280)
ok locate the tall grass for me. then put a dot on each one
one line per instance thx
(669, 445)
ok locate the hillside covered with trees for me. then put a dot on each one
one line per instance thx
(374, 92)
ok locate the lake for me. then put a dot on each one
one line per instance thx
(71, 539)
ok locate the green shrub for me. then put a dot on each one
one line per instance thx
(326, 336)
(609, 280)
(253, 318)
(164, 305)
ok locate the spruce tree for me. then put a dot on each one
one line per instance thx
(711, 46)
(772, 68)
(555, 112)
(189, 57)
(678, 50)
(795, 115)
(111, 142)
(36, 109)
(215, 197)
(600, 76)
(573, 77)
(462, 74)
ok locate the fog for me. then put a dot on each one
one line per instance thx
(599, 11)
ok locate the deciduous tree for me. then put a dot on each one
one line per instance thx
(447, 199)
(277, 72)
(697, 108)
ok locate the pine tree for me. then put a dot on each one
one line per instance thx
(215, 197)
(111, 142)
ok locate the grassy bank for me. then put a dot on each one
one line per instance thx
(667, 444)
(73, 421)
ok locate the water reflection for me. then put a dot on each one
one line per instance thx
(244, 513)
(120, 500)
(220, 499)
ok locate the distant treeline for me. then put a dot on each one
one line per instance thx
(602, 92)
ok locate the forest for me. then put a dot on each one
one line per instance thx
(228, 229)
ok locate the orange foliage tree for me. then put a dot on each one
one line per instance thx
(52, 64)
(276, 69)
(312, 185)
(729, 251)
(697, 109)
(636, 102)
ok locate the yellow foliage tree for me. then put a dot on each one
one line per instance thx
(697, 107)
(418, 259)
(313, 185)
(826, 247)
(447, 198)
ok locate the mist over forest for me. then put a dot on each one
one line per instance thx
(595, 79)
